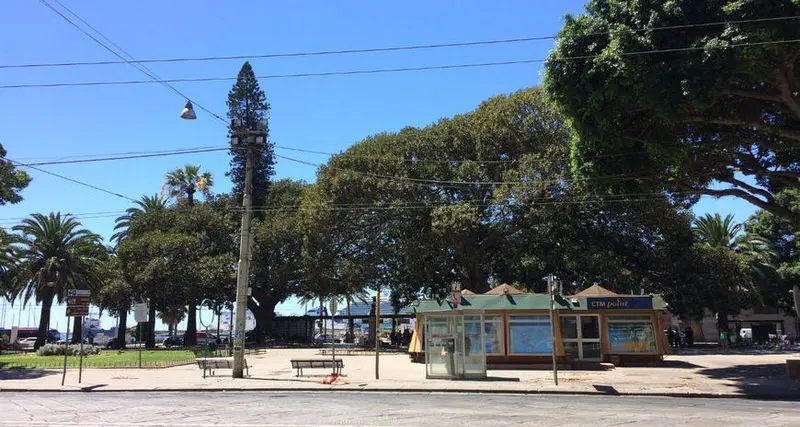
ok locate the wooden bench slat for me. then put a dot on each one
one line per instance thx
(300, 364)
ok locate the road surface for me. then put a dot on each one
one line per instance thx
(147, 409)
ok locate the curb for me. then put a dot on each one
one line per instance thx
(759, 396)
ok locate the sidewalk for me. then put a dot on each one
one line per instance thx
(701, 375)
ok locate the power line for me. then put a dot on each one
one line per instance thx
(140, 67)
(380, 49)
(91, 158)
(137, 156)
(70, 179)
(388, 70)
(127, 153)
(444, 161)
(448, 183)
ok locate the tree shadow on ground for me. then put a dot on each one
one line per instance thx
(678, 364)
(746, 351)
(22, 373)
(758, 381)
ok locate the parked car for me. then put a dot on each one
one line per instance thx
(113, 343)
(174, 341)
(26, 342)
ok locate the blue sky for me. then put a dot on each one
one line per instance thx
(321, 113)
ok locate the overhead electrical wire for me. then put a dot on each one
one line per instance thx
(92, 186)
(446, 183)
(380, 49)
(140, 67)
(385, 70)
(130, 157)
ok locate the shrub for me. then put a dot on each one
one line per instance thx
(72, 350)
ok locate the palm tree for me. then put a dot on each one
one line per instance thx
(172, 316)
(8, 262)
(187, 181)
(57, 255)
(148, 204)
(715, 231)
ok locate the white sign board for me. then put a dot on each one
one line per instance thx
(225, 321)
(78, 293)
(140, 312)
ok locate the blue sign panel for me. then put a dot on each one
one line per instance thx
(619, 303)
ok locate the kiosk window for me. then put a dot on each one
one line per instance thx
(631, 334)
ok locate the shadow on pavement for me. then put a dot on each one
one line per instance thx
(311, 379)
(751, 351)
(22, 373)
(93, 387)
(607, 389)
(758, 381)
(678, 364)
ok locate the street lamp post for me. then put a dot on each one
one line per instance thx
(248, 140)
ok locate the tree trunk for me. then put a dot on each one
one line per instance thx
(123, 328)
(261, 327)
(268, 311)
(218, 311)
(477, 281)
(190, 337)
(44, 320)
(150, 331)
(77, 330)
(351, 324)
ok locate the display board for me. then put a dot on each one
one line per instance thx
(530, 335)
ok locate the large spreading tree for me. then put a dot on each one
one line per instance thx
(689, 96)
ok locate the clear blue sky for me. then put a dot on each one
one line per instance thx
(320, 113)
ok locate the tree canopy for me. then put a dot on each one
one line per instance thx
(12, 180)
(660, 97)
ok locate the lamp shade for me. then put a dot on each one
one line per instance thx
(188, 112)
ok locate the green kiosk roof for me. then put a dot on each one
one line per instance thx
(542, 302)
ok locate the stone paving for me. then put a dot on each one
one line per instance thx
(711, 374)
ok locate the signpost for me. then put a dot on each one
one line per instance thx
(77, 306)
(551, 284)
(377, 331)
(333, 329)
(140, 311)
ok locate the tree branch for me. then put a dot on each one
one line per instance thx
(778, 210)
(791, 134)
(786, 92)
(753, 95)
(751, 189)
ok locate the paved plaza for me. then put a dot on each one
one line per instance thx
(724, 374)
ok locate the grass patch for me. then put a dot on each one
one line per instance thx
(106, 359)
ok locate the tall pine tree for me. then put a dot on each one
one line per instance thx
(248, 103)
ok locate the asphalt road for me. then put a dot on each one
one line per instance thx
(382, 409)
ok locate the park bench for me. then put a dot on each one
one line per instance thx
(212, 363)
(300, 364)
